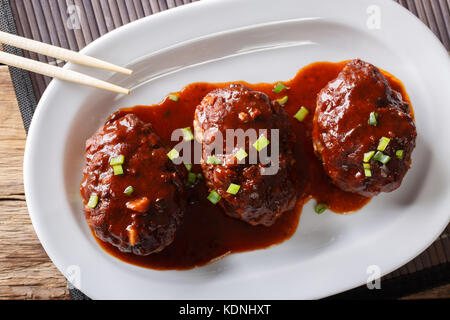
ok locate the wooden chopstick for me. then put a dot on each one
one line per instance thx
(59, 53)
(59, 73)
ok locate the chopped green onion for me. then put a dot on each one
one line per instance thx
(233, 188)
(367, 171)
(320, 208)
(241, 154)
(283, 100)
(188, 166)
(129, 190)
(187, 134)
(378, 156)
(373, 119)
(368, 156)
(383, 143)
(213, 160)
(192, 178)
(301, 114)
(214, 197)
(279, 87)
(117, 160)
(399, 154)
(173, 154)
(93, 201)
(381, 157)
(261, 143)
(174, 97)
(118, 170)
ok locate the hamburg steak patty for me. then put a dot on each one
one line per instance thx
(132, 193)
(260, 199)
(363, 131)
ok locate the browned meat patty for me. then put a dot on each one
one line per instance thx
(261, 199)
(137, 211)
(363, 131)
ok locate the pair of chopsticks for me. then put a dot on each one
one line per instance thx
(62, 54)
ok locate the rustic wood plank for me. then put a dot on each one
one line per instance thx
(26, 272)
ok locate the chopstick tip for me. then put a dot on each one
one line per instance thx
(126, 71)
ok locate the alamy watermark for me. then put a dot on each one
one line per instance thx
(73, 276)
(374, 279)
(73, 21)
(374, 17)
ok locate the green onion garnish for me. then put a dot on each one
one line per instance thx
(213, 160)
(373, 119)
(174, 97)
(383, 143)
(192, 178)
(381, 157)
(241, 154)
(399, 154)
(320, 208)
(261, 143)
(117, 160)
(187, 134)
(93, 201)
(233, 188)
(283, 100)
(118, 170)
(214, 197)
(367, 171)
(279, 87)
(129, 190)
(173, 154)
(301, 114)
(368, 156)
(188, 166)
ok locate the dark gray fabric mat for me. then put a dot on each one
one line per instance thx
(52, 21)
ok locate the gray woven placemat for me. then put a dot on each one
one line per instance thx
(21, 78)
(73, 24)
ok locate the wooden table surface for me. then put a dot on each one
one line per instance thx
(26, 272)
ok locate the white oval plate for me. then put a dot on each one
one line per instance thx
(256, 41)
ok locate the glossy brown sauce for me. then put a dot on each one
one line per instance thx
(206, 233)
